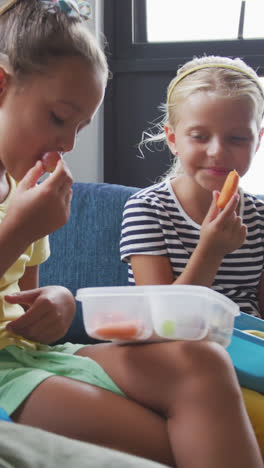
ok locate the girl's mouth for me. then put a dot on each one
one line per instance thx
(218, 171)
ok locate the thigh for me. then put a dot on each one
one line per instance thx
(85, 412)
(157, 375)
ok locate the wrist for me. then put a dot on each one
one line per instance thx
(207, 263)
(201, 268)
(209, 254)
(15, 233)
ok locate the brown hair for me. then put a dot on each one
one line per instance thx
(31, 38)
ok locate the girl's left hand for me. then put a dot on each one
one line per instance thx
(223, 231)
(48, 317)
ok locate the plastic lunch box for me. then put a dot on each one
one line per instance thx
(157, 313)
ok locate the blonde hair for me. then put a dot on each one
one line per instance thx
(223, 75)
(31, 38)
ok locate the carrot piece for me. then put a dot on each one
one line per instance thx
(128, 330)
(229, 189)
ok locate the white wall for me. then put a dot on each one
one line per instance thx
(86, 160)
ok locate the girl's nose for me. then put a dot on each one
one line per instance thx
(215, 146)
(66, 142)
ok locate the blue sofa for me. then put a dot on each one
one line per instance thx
(85, 252)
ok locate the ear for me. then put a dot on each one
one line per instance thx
(4, 79)
(261, 133)
(170, 136)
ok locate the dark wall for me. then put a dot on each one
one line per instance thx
(136, 97)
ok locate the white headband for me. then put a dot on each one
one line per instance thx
(5, 5)
(177, 79)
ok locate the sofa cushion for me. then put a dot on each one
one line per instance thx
(85, 252)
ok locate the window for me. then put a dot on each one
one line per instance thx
(203, 20)
(253, 181)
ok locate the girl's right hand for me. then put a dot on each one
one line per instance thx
(39, 209)
(222, 231)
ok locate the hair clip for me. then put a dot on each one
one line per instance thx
(72, 8)
(85, 9)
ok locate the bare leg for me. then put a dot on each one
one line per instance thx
(183, 395)
(88, 413)
(193, 384)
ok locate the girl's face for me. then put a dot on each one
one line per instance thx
(46, 112)
(214, 135)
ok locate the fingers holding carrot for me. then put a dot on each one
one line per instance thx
(225, 203)
(224, 234)
(50, 161)
(214, 211)
(223, 230)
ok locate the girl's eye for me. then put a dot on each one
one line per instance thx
(198, 137)
(239, 139)
(57, 119)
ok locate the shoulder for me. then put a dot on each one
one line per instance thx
(155, 195)
(253, 203)
(253, 213)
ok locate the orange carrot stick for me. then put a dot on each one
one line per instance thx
(229, 189)
(128, 330)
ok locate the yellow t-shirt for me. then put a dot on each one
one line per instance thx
(35, 254)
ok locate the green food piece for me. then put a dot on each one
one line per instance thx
(168, 328)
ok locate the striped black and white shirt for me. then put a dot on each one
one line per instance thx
(154, 223)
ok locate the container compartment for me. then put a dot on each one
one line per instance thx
(110, 314)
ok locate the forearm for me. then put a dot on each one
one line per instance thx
(12, 245)
(201, 268)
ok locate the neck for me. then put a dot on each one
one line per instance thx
(195, 203)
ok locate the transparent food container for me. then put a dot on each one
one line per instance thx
(157, 313)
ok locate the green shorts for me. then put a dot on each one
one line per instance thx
(22, 370)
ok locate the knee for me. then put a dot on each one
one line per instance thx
(203, 356)
(206, 382)
(206, 368)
